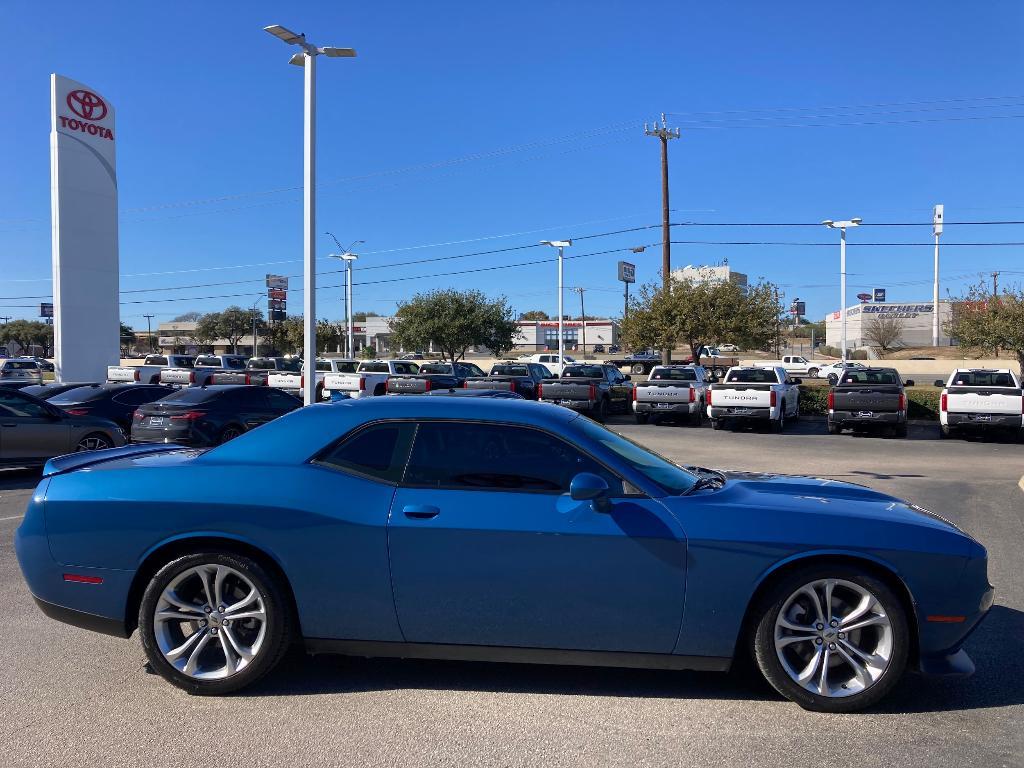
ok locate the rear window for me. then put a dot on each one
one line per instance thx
(261, 364)
(753, 376)
(674, 374)
(982, 379)
(510, 370)
(191, 395)
(374, 368)
(155, 360)
(323, 365)
(78, 395)
(435, 368)
(871, 377)
(183, 362)
(22, 365)
(583, 372)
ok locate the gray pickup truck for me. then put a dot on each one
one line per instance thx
(672, 392)
(432, 377)
(596, 390)
(203, 369)
(867, 398)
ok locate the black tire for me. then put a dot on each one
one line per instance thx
(833, 429)
(230, 432)
(812, 373)
(900, 430)
(832, 379)
(779, 425)
(718, 372)
(642, 418)
(717, 424)
(945, 431)
(767, 610)
(600, 412)
(638, 368)
(94, 441)
(277, 632)
(697, 419)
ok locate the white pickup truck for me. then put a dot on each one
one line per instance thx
(549, 360)
(203, 370)
(150, 370)
(981, 399)
(368, 378)
(672, 391)
(765, 394)
(795, 365)
(294, 381)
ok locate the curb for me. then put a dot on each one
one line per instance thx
(816, 417)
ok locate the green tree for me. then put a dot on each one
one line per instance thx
(989, 323)
(231, 324)
(329, 335)
(28, 333)
(127, 338)
(696, 313)
(535, 314)
(208, 328)
(454, 321)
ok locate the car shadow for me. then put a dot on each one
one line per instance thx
(19, 479)
(997, 648)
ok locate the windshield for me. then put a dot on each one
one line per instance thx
(583, 372)
(753, 376)
(670, 477)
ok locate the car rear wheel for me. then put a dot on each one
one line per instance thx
(716, 424)
(601, 411)
(637, 368)
(834, 429)
(94, 442)
(642, 418)
(780, 423)
(230, 432)
(900, 430)
(213, 622)
(812, 373)
(697, 419)
(833, 379)
(832, 638)
(944, 431)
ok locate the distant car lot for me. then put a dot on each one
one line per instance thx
(493, 713)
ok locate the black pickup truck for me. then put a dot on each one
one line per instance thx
(433, 376)
(596, 390)
(521, 378)
(868, 398)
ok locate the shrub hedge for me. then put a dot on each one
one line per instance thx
(923, 402)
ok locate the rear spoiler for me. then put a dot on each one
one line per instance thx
(72, 461)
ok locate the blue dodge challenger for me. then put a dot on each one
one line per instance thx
(497, 530)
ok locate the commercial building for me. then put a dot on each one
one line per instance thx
(719, 274)
(915, 323)
(539, 335)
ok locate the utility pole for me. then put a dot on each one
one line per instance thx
(149, 330)
(995, 284)
(664, 133)
(5, 318)
(936, 231)
(583, 318)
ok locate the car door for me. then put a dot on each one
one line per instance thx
(487, 547)
(30, 429)
(620, 388)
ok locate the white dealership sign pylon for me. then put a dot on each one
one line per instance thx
(83, 199)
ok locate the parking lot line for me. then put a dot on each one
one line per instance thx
(12, 517)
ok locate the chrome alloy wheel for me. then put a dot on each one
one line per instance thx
(210, 622)
(93, 443)
(834, 638)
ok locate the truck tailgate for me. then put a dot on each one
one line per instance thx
(408, 385)
(504, 383)
(562, 390)
(742, 396)
(873, 399)
(280, 380)
(984, 400)
(177, 376)
(123, 373)
(663, 392)
(341, 382)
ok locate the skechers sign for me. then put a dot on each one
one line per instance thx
(899, 311)
(87, 107)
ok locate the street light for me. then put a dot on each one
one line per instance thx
(842, 226)
(346, 296)
(559, 244)
(307, 59)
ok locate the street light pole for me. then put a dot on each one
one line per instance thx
(841, 226)
(583, 317)
(560, 245)
(255, 346)
(149, 330)
(307, 59)
(347, 256)
(936, 230)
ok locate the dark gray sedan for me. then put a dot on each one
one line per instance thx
(33, 431)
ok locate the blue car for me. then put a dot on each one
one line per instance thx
(500, 530)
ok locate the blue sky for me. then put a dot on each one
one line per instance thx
(461, 123)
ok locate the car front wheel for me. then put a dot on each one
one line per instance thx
(94, 442)
(213, 622)
(832, 638)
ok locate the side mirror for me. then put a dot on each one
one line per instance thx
(590, 487)
(711, 379)
(908, 383)
(939, 383)
(628, 377)
(798, 381)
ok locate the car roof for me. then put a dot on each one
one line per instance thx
(293, 438)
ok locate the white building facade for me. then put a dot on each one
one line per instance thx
(718, 274)
(916, 320)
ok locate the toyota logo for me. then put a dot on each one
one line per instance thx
(87, 105)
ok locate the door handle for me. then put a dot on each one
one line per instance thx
(420, 511)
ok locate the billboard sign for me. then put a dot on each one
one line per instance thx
(276, 293)
(627, 272)
(879, 295)
(46, 310)
(799, 308)
(277, 282)
(83, 198)
(864, 296)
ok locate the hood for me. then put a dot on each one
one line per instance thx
(832, 497)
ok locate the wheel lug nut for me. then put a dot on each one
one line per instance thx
(819, 627)
(833, 623)
(207, 609)
(842, 635)
(817, 641)
(202, 623)
(227, 622)
(831, 646)
(221, 608)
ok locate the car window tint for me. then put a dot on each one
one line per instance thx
(11, 404)
(279, 400)
(139, 395)
(583, 372)
(497, 457)
(982, 379)
(21, 365)
(78, 395)
(374, 367)
(510, 370)
(435, 368)
(155, 360)
(378, 450)
(674, 374)
(191, 395)
(870, 377)
(753, 376)
(323, 365)
(260, 364)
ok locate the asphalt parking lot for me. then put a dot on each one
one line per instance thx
(77, 698)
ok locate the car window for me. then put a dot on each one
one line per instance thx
(753, 376)
(670, 477)
(21, 365)
(294, 365)
(78, 395)
(510, 370)
(261, 364)
(982, 379)
(583, 372)
(435, 368)
(674, 374)
(870, 377)
(378, 451)
(12, 404)
(375, 368)
(155, 360)
(405, 368)
(496, 457)
(323, 365)
(192, 395)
